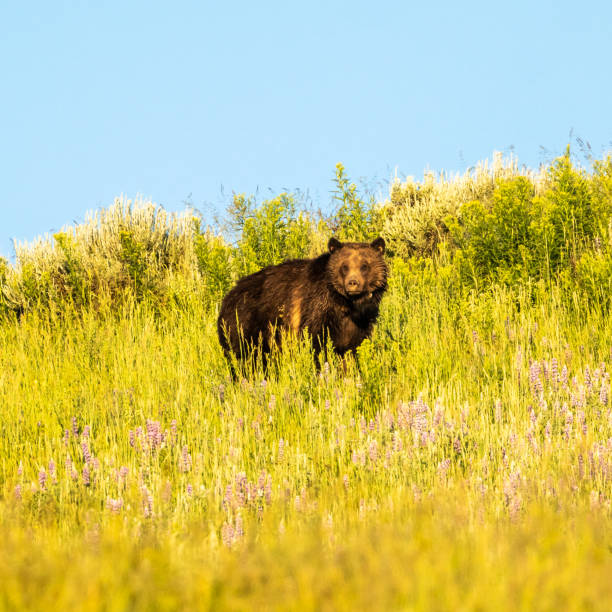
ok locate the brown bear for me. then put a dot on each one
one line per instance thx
(335, 295)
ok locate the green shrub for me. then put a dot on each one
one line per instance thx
(215, 262)
(355, 220)
(495, 237)
(269, 233)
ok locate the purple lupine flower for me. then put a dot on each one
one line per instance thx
(42, 479)
(373, 451)
(587, 379)
(154, 433)
(581, 418)
(239, 530)
(327, 404)
(189, 490)
(227, 534)
(396, 442)
(554, 370)
(66, 437)
(52, 473)
(228, 499)
(86, 431)
(86, 476)
(131, 438)
(603, 393)
(443, 467)
(86, 452)
(363, 425)
(185, 460)
(147, 502)
(281, 450)
(438, 415)
(173, 428)
(18, 492)
(75, 427)
(564, 376)
(532, 415)
(547, 430)
(114, 505)
(580, 466)
(569, 419)
(123, 472)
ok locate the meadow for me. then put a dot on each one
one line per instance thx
(462, 461)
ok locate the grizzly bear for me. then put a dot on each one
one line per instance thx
(335, 296)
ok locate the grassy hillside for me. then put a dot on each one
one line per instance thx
(465, 462)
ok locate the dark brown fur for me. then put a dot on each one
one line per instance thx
(335, 295)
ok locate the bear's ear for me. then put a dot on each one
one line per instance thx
(334, 245)
(379, 244)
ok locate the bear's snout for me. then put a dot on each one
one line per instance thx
(353, 285)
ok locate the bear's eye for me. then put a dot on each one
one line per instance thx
(343, 268)
(364, 267)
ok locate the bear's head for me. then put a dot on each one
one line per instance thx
(357, 269)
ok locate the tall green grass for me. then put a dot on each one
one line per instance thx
(463, 461)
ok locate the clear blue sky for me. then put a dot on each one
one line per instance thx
(175, 100)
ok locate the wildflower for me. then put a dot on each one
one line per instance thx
(147, 502)
(66, 437)
(228, 498)
(438, 415)
(587, 379)
(281, 449)
(227, 534)
(86, 452)
(564, 376)
(114, 505)
(443, 467)
(86, 476)
(75, 427)
(154, 434)
(190, 490)
(396, 442)
(52, 473)
(603, 393)
(373, 451)
(123, 472)
(239, 529)
(131, 438)
(86, 431)
(569, 419)
(327, 404)
(554, 370)
(185, 460)
(42, 480)
(173, 428)
(18, 492)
